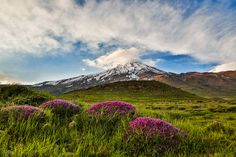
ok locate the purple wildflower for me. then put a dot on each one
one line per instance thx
(151, 127)
(60, 106)
(154, 133)
(111, 108)
(24, 111)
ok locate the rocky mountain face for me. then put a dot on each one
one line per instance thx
(129, 71)
(222, 84)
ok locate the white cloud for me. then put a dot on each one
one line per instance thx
(120, 57)
(40, 26)
(152, 62)
(111, 60)
(225, 67)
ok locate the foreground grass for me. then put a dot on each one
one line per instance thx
(210, 124)
(81, 135)
(161, 102)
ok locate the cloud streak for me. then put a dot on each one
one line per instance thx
(225, 67)
(40, 27)
(120, 56)
(111, 60)
(7, 79)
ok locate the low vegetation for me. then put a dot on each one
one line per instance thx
(21, 95)
(132, 91)
(197, 126)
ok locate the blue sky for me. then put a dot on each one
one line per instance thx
(43, 40)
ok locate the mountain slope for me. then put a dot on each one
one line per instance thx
(130, 71)
(222, 84)
(131, 91)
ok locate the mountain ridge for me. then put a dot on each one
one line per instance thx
(133, 67)
(129, 71)
(208, 84)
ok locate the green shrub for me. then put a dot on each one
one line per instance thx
(7, 92)
(21, 95)
(219, 127)
(33, 99)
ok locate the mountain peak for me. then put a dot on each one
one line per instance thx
(134, 63)
(130, 71)
(137, 67)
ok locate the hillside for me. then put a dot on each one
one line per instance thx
(222, 84)
(131, 91)
(17, 94)
(210, 125)
(127, 72)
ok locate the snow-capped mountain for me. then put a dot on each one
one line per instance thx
(222, 84)
(129, 71)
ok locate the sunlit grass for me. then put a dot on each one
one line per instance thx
(82, 136)
(210, 125)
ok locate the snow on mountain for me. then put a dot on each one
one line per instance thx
(134, 68)
(129, 71)
(222, 84)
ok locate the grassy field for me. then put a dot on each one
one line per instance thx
(210, 125)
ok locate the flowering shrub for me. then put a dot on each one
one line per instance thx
(111, 108)
(152, 126)
(61, 107)
(152, 133)
(23, 111)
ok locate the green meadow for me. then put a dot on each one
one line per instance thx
(210, 123)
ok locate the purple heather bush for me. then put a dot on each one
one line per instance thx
(61, 107)
(152, 134)
(151, 127)
(22, 111)
(111, 108)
